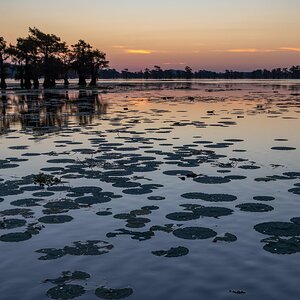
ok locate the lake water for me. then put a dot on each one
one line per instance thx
(155, 190)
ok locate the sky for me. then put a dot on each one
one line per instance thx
(204, 34)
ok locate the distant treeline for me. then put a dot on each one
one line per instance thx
(43, 55)
(188, 73)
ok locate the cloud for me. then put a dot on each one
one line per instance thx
(290, 49)
(119, 46)
(139, 51)
(174, 63)
(242, 50)
(247, 50)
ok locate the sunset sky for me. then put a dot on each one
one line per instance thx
(204, 34)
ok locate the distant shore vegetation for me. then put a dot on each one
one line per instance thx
(45, 56)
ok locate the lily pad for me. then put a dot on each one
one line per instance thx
(173, 252)
(69, 276)
(228, 237)
(278, 228)
(214, 212)
(279, 245)
(295, 191)
(66, 291)
(255, 207)
(12, 223)
(109, 293)
(15, 237)
(55, 219)
(212, 180)
(194, 233)
(210, 197)
(264, 198)
(283, 148)
(182, 216)
(156, 198)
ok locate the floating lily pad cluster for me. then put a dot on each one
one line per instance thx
(70, 286)
(90, 248)
(284, 236)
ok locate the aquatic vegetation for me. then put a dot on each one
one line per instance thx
(172, 252)
(11, 223)
(254, 207)
(66, 291)
(43, 179)
(227, 237)
(182, 216)
(264, 198)
(210, 197)
(278, 228)
(194, 233)
(110, 293)
(55, 219)
(214, 212)
(78, 248)
(68, 276)
(15, 237)
(189, 176)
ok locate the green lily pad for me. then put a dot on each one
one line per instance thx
(295, 191)
(283, 148)
(214, 212)
(66, 291)
(137, 191)
(15, 237)
(182, 216)
(278, 228)
(156, 198)
(30, 202)
(12, 223)
(264, 198)
(255, 207)
(279, 245)
(173, 252)
(69, 276)
(194, 233)
(210, 197)
(55, 219)
(212, 180)
(24, 212)
(228, 237)
(109, 293)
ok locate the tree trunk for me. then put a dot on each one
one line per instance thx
(36, 83)
(2, 70)
(27, 76)
(53, 83)
(28, 84)
(93, 81)
(82, 81)
(47, 83)
(66, 80)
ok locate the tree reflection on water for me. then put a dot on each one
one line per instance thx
(52, 110)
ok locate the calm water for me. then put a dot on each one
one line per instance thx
(161, 186)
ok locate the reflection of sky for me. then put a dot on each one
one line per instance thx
(210, 34)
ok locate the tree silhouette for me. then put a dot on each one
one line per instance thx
(3, 57)
(97, 61)
(80, 60)
(49, 47)
(24, 53)
(87, 62)
(188, 72)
